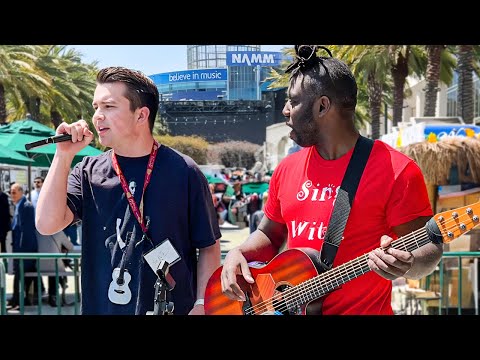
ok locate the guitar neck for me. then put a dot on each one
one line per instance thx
(130, 240)
(327, 281)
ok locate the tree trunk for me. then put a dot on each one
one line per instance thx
(465, 83)
(56, 118)
(399, 74)
(432, 76)
(3, 105)
(374, 89)
(34, 107)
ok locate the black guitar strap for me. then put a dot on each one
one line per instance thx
(344, 201)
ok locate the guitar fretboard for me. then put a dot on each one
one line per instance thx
(320, 285)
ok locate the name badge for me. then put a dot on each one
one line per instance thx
(163, 251)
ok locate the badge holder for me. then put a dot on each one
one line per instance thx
(162, 286)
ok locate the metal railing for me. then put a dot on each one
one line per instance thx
(442, 273)
(459, 255)
(3, 288)
(442, 279)
(39, 274)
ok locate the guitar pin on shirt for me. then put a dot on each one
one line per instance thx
(119, 291)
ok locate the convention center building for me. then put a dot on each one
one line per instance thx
(223, 94)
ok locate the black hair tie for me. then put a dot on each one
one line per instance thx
(306, 56)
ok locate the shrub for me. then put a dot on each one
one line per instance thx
(193, 146)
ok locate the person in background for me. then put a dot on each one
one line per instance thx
(24, 240)
(238, 206)
(257, 216)
(57, 243)
(216, 201)
(5, 220)
(294, 148)
(391, 200)
(37, 184)
(134, 217)
(72, 232)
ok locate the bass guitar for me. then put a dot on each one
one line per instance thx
(293, 279)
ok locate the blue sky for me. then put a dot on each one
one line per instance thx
(150, 59)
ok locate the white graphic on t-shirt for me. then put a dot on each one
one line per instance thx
(132, 186)
(326, 192)
(121, 243)
(315, 193)
(119, 291)
(311, 228)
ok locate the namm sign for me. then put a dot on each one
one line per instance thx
(254, 58)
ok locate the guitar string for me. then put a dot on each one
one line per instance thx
(343, 268)
(322, 279)
(331, 280)
(309, 284)
(407, 241)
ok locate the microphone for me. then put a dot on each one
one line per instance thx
(162, 270)
(164, 274)
(49, 140)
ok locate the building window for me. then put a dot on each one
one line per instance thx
(452, 101)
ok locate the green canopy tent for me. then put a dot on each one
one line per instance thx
(214, 180)
(255, 187)
(11, 157)
(18, 133)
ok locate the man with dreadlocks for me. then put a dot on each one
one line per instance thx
(391, 200)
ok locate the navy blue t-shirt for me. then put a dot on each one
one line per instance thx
(180, 207)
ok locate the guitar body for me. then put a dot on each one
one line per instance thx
(285, 270)
(118, 291)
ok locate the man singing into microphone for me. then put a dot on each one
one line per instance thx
(125, 235)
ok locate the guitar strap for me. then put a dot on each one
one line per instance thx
(344, 201)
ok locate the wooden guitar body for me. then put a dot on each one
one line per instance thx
(264, 297)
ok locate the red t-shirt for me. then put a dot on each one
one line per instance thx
(391, 192)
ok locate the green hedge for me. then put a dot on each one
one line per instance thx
(193, 146)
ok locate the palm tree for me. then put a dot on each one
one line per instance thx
(72, 84)
(405, 60)
(434, 54)
(18, 75)
(78, 102)
(277, 75)
(362, 110)
(440, 66)
(370, 66)
(465, 83)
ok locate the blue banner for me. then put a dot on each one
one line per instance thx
(190, 76)
(450, 129)
(254, 58)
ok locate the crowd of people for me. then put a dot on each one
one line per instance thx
(235, 200)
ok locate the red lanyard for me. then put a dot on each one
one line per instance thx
(148, 174)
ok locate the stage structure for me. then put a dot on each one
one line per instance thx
(218, 121)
